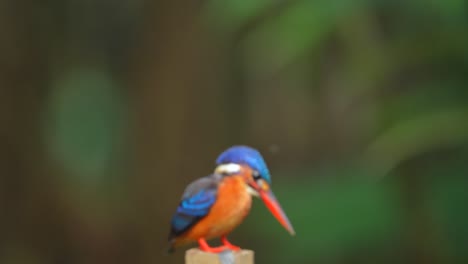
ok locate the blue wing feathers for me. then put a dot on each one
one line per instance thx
(179, 222)
(196, 203)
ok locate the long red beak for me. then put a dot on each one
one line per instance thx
(275, 208)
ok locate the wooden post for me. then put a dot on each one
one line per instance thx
(196, 256)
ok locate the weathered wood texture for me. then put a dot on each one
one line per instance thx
(196, 256)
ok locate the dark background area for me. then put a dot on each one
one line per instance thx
(108, 109)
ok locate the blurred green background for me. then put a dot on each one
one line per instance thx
(108, 109)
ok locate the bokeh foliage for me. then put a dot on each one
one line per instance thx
(109, 108)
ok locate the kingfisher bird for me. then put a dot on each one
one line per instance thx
(213, 206)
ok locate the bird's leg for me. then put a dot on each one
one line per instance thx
(205, 247)
(228, 244)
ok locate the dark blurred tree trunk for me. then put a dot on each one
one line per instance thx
(177, 118)
(30, 220)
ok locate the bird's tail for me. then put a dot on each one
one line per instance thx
(172, 246)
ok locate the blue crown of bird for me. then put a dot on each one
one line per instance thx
(213, 206)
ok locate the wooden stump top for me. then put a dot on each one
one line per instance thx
(196, 256)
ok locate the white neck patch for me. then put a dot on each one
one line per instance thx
(229, 168)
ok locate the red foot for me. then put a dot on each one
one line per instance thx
(228, 244)
(205, 247)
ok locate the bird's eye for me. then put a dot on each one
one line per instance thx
(256, 175)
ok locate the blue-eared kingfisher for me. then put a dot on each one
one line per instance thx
(214, 205)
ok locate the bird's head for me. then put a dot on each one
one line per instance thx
(258, 183)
